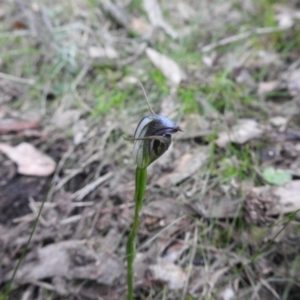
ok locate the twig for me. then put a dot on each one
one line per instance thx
(60, 165)
(17, 79)
(270, 288)
(15, 34)
(153, 238)
(240, 36)
(59, 29)
(73, 173)
(190, 266)
(81, 75)
(18, 126)
(76, 218)
(156, 18)
(44, 285)
(118, 14)
(80, 194)
(131, 59)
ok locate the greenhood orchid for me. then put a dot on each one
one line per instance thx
(152, 139)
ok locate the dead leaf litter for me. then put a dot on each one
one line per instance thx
(221, 214)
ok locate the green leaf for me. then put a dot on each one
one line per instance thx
(276, 177)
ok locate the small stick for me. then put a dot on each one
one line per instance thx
(17, 79)
(240, 36)
(145, 96)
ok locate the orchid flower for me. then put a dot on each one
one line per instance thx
(152, 139)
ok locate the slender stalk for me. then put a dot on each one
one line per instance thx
(140, 188)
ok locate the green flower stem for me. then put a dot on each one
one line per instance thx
(140, 188)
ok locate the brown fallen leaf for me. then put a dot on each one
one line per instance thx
(2, 11)
(80, 130)
(9, 90)
(19, 25)
(103, 52)
(267, 87)
(221, 208)
(174, 251)
(227, 294)
(29, 160)
(169, 273)
(140, 27)
(294, 82)
(189, 163)
(3, 110)
(160, 213)
(279, 121)
(242, 76)
(8, 125)
(261, 204)
(32, 133)
(126, 20)
(117, 13)
(186, 11)
(286, 199)
(156, 18)
(167, 66)
(96, 52)
(71, 259)
(285, 16)
(244, 131)
(65, 119)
